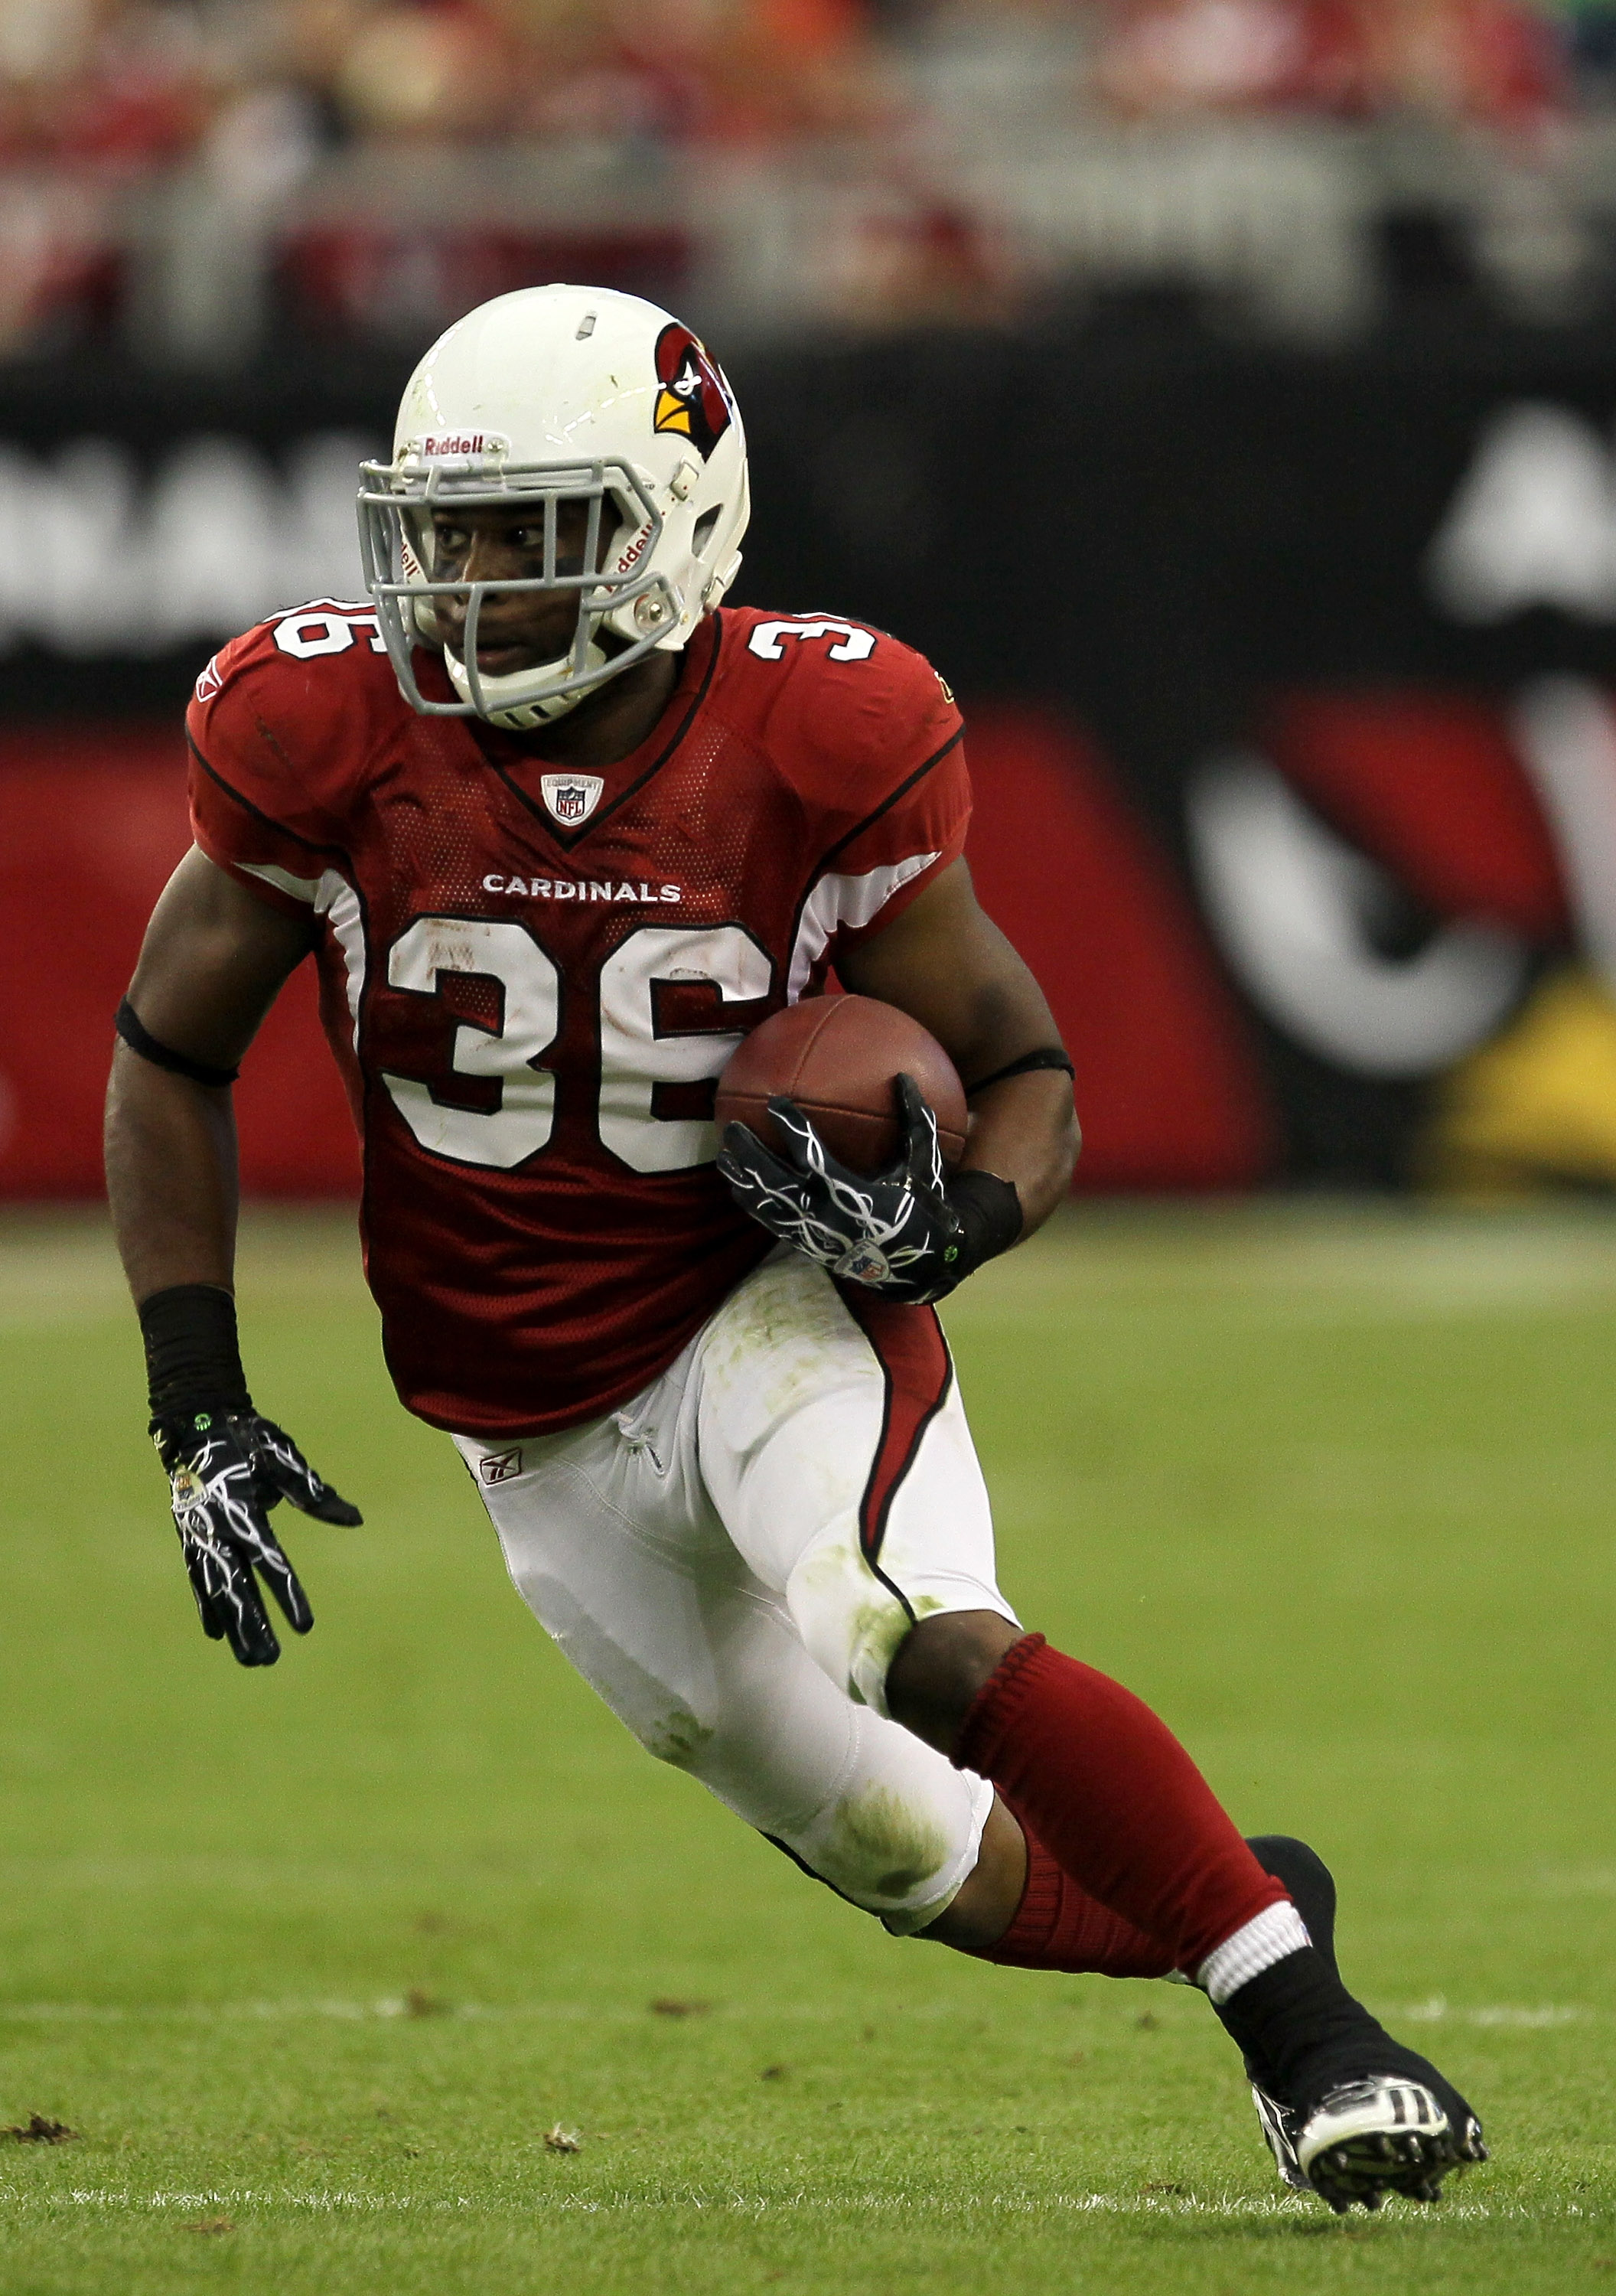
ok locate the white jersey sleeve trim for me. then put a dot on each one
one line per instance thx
(331, 896)
(837, 903)
(335, 900)
(300, 889)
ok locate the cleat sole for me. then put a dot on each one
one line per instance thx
(1359, 2166)
(1359, 2174)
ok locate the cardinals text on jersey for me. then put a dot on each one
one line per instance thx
(532, 991)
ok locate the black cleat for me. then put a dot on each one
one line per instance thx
(1354, 2131)
(1384, 2132)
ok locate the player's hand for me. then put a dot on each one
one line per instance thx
(225, 1472)
(895, 1231)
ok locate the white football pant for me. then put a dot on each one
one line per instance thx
(732, 1559)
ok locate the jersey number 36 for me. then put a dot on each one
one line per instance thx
(637, 1056)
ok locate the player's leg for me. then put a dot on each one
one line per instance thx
(1127, 1815)
(817, 1450)
(611, 1538)
(840, 1460)
(1105, 1784)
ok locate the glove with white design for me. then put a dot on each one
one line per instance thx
(226, 1470)
(227, 1467)
(909, 1233)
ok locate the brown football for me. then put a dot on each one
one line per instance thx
(838, 1058)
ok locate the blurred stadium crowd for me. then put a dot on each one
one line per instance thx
(130, 84)
(187, 172)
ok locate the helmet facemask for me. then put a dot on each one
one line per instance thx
(622, 596)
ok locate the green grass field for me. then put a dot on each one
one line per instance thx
(312, 1960)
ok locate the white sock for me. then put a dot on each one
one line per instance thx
(1271, 1935)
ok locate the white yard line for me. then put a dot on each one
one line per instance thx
(826, 2204)
(388, 2008)
(1506, 2015)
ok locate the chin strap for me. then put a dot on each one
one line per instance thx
(523, 717)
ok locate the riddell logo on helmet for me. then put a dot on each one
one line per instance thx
(458, 445)
(636, 550)
(694, 399)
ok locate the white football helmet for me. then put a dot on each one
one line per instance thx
(551, 394)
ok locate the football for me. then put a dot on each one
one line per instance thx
(837, 1057)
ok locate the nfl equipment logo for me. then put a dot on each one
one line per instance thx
(572, 798)
(865, 1263)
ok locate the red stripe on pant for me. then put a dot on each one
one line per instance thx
(908, 1345)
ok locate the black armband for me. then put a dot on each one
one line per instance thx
(990, 1216)
(139, 1038)
(193, 1360)
(1048, 1056)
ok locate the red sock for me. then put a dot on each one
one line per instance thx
(1059, 1926)
(1117, 1802)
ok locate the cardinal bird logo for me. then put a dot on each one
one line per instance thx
(694, 399)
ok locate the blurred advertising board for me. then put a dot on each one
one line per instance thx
(1291, 678)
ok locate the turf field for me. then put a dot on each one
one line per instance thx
(312, 1960)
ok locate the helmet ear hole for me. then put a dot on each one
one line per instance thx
(702, 532)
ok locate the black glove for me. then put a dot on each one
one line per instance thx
(225, 1472)
(907, 1233)
(227, 1467)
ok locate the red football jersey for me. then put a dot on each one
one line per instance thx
(532, 977)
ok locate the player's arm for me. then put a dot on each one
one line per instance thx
(213, 962)
(913, 1232)
(944, 962)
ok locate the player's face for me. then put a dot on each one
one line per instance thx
(519, 629)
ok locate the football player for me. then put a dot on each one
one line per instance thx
(559, 827)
